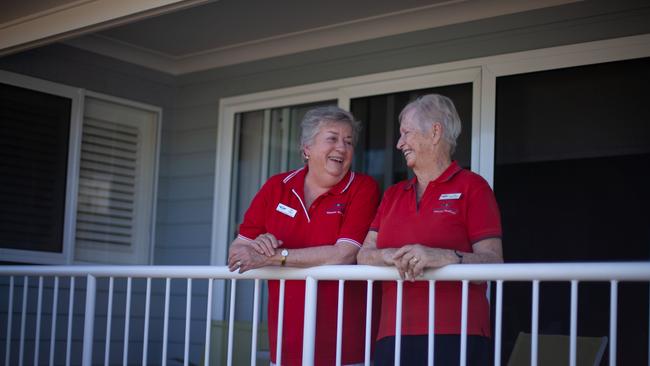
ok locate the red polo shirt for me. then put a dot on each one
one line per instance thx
(456, 210)
(342, 214)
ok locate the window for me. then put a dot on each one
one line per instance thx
(34, 129)
(67, 196)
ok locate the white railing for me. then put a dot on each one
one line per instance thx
(573, 273)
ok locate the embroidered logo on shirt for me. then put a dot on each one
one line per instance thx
(445, 207)
(286, 210)
(337, 208)
(450, 196)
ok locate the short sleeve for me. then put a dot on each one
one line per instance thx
(483, 217)
(254, 223)
(360, 212)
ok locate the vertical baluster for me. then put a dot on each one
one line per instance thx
(309, 321)
(231, 319)
(256, 309)
(89, 320)
(463, 323)
(339, 322)
(208, 323)
(398, 322)
(278, 348)
(431, 320)
(68, 346)
(574, 323)
(145, 337)
(21, 348)
(165, 323)
(55, 301)
(39, 310)
(535, 324)
(613, 311)
(498, 324)
(10, 316)
(368, 321)
(109, 320)
(127, 321)
(188, 314)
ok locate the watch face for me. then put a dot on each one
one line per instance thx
(284, 252)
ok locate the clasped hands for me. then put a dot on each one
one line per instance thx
(247, 255)
(411, 260)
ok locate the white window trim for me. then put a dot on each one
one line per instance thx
(77, 95)
(484, 99)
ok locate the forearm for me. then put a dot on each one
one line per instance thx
(374, 256)
(478, 258)
(484, 251)
(340, 253)
(371, 255)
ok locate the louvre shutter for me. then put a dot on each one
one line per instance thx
(107, 174)
(115, 183)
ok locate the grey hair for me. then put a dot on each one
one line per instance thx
(313, 119)
(432, 108)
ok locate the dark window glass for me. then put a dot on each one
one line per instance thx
(34, 130)
(572, 178)
(376, 154)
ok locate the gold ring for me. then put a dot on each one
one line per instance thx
(238, 263)
(415, 259)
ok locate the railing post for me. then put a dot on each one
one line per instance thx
(309, 334)
(89, 320)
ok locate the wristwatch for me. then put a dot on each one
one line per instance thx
(284, 253)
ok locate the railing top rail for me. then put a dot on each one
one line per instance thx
(601, 271)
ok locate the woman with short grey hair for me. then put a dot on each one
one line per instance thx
(315, 215)
(444, 215)
(431, 108)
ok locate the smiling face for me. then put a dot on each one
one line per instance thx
(417, 146)
(330, 153)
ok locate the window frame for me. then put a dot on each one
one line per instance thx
(77, 96)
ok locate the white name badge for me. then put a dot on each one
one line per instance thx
(449, 196)
(286, 210)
